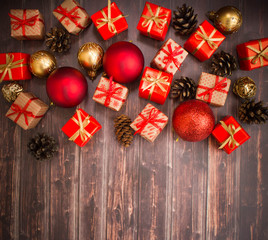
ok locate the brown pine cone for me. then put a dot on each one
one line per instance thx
(183, 88)
(123, 131)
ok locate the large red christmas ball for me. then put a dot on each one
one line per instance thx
(124, 61)
(193, 120)
(66, 87)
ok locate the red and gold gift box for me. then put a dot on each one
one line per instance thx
(110, 94)
(27, 24)
(27, 110)
(149, 123)
(81, 127)
(72, 16)
(155, 85)
(170, 57)
(213, 89)
(14, 66)
(230, 134)
(253, 54)
(204, 41)
(154, 21)
(109, 21)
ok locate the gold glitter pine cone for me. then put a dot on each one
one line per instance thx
(124, 133)
(58, 40)
(11, 91)
(245, 87)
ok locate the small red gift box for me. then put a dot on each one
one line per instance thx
(204, 41)
(213, 89)
(253, 54)
(110, 94)
(14, 66)
(149, 123)
(72, 16)
(27, 24)
(155, 85)
(230, 134)
(170, 57)
(109, 21)
(154, 21)
(81, 127)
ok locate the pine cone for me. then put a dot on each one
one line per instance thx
(183, 88)
(223, 64)
(42, 146)
(251, 112)
(184, 21)
(58, 40)
(123, 131)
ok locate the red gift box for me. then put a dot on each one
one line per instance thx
(230, 134)
(14, 66)
(204, 41)
(81, 127)
(154, 21)
(109, 21)
(253, 54)
(155, 85)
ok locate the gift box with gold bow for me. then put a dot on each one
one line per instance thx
(204, 41)
(110, 94)
(72, 16)
(253, 54)
(27, 24)
(109, 21)
(81, 127)
(27, 110)
(149, 123)
(155, 85)
(229, 134)
(154, 21)
(213, 89)
(170, 57)
(14, 66)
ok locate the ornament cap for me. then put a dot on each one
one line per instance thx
(211, 15)
(92, 74)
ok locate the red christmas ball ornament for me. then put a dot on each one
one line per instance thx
(124, 61)
(193, 120)
(66, 87)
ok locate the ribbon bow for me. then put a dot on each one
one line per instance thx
(205, 38)
(219, 86)
(231, 131)
(6, 68)
(150, 20)
(171, 56)
(110, 93)
(152, 119)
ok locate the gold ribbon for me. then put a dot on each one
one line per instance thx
(108, 20)
(6, 68)
(155, 81)
(232, 131)
(150, 20)
(260, 54)
(205, 38)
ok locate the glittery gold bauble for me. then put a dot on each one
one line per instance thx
(11, 91)
(245, 87)
(42, 63)
(227, 19)
(90, 57)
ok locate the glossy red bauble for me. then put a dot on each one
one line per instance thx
(123, 61)
(193, 120)
(66, 87)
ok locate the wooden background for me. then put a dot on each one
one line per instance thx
(164, 190)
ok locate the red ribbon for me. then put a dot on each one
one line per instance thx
(152, 118)
(219, 86)
(22, 23)
(170, 57)
(18, 110)
(110, 93)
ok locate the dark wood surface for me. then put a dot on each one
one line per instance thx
(164, 190)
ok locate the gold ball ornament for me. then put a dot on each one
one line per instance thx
(227, 19)
(11, 91)
(42, 63)
(245, 87)
(90, 57)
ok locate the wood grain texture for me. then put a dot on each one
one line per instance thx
(161, 190)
